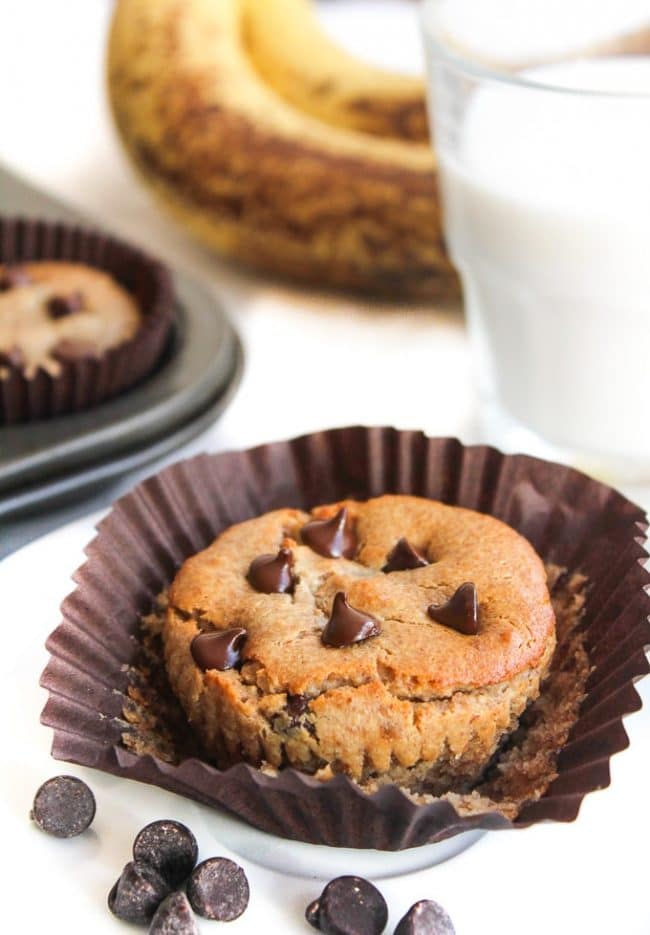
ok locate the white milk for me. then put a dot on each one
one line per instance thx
(547, 204)
(515, 31)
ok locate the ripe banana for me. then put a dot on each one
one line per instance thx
(258, 178)
(293, 55)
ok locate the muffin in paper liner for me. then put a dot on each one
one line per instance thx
(86, 382)
(575, 523)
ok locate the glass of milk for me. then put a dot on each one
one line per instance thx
(541, 124)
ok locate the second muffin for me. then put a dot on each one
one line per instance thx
(83, 318)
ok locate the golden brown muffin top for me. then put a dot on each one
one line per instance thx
(55, 311)
(416, 656)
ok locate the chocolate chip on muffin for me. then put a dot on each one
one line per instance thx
(271, 574)
(347, 625)
(60, 306)
(296, 706)
(460, 612)
(220, 649)
(404, 557)
(331, 537)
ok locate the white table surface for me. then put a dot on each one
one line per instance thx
(384, 365)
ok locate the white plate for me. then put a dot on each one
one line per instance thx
(590, 876)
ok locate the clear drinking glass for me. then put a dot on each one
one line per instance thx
(544, 166)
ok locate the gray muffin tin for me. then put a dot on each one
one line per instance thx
(62, 458)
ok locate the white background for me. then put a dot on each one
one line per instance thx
(396, 366)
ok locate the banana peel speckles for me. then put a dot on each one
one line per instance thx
(257, 178)
(293, 55)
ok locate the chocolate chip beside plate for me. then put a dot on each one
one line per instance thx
(64, 806)
(13, 276)
(174, 916)
(218, 649)
(460, 612)
(332, 538)
(169, 847)
(349, 906)
(425, 918)
(404, 557)
(218, 889)
(60, 306)
(348, 625)
(137, 893)
(271, 574)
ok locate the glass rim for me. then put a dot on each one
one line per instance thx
(474, 68)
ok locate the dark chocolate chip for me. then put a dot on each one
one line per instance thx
(14, 276)
(405, 557)
(425, 918)
(296, 706)
(218, 889)
(218, 649)
(312, 913)
(174, 916)
(60, 306)
(348, 625)
(271, 574)
(69, 350)
(137, 893)
(168, 846)
(333, 538)
(349, 906)
(63, 806)
(13, 357)
(460, 612)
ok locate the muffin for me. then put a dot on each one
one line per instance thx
(111, 708)
(56, 311)
(393, 640)
(83, 317)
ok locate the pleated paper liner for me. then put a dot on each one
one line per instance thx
(573, 521)
(86, 382)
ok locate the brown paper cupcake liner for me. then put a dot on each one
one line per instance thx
(573, 521)
(86, 382)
